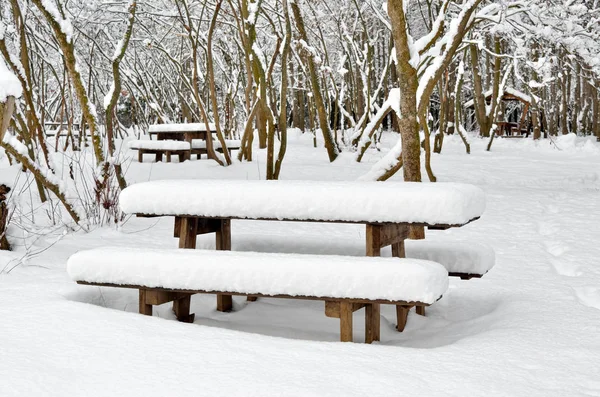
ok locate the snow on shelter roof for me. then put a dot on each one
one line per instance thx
(508, 93)
(351, 201)
(393, 279)
(189, 127)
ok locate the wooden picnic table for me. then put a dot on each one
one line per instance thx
(386, 209)
(185, 132)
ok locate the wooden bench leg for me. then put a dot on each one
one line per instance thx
(158, 157)
(181, 307)
(168, 153)
(372, 322)
(398, 250)
(420, 310)
(144, 307)
(345, 321)
(140, 155)
(223, 243)
(224, 303)
(402, 317)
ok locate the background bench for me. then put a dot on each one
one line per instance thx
(160, 148)
(345, 284)
(199, 146)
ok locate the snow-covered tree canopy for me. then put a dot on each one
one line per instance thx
(349, 68)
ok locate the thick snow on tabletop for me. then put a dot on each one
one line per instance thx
(455, 256)
(394, 279)
(9, 84)
(190, 127)
(160, 145)
(353, 201)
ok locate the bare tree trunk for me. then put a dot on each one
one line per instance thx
(330, 145)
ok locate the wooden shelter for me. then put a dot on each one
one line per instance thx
(508, 127)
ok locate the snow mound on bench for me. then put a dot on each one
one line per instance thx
(231, 143)
(352, 201)
(456, 257)
(159, 145)
(189, 127)
(394, 279)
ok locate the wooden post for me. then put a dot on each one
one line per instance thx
(223, 243)
(181, 307)
(373, 240)
(187, 239)
(402, 316)
(345, 321)
(187, 232)
(398, 250)
(144, 307)
(372, 322)
(420, 310)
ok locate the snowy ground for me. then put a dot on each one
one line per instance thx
(528, 328)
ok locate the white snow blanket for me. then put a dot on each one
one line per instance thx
(394, 279)
(456, 257)
(231, 143)
(167, 144)
(348, 201)
(189, 127)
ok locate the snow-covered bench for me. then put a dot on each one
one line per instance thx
(462, 259)
(199, 146)
(166, 147)
(346, 284)
(386, 209)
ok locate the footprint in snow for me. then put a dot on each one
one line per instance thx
(565, 268)
(589, 296)
(556, 248)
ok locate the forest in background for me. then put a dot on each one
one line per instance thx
(344, 71)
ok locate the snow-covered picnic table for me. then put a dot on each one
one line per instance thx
(386, 209)
(185, 132)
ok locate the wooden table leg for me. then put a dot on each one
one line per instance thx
(345, 321)
(372, 322)
(144, 307)
(223, 243)
(187, 239)
(187, 232)
(373, 240)
(394, 235)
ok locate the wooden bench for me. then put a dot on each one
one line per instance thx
(386, 209)
(186, 132)
(160, 148)
(345, 284)
(199, 146)
(462, 259)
